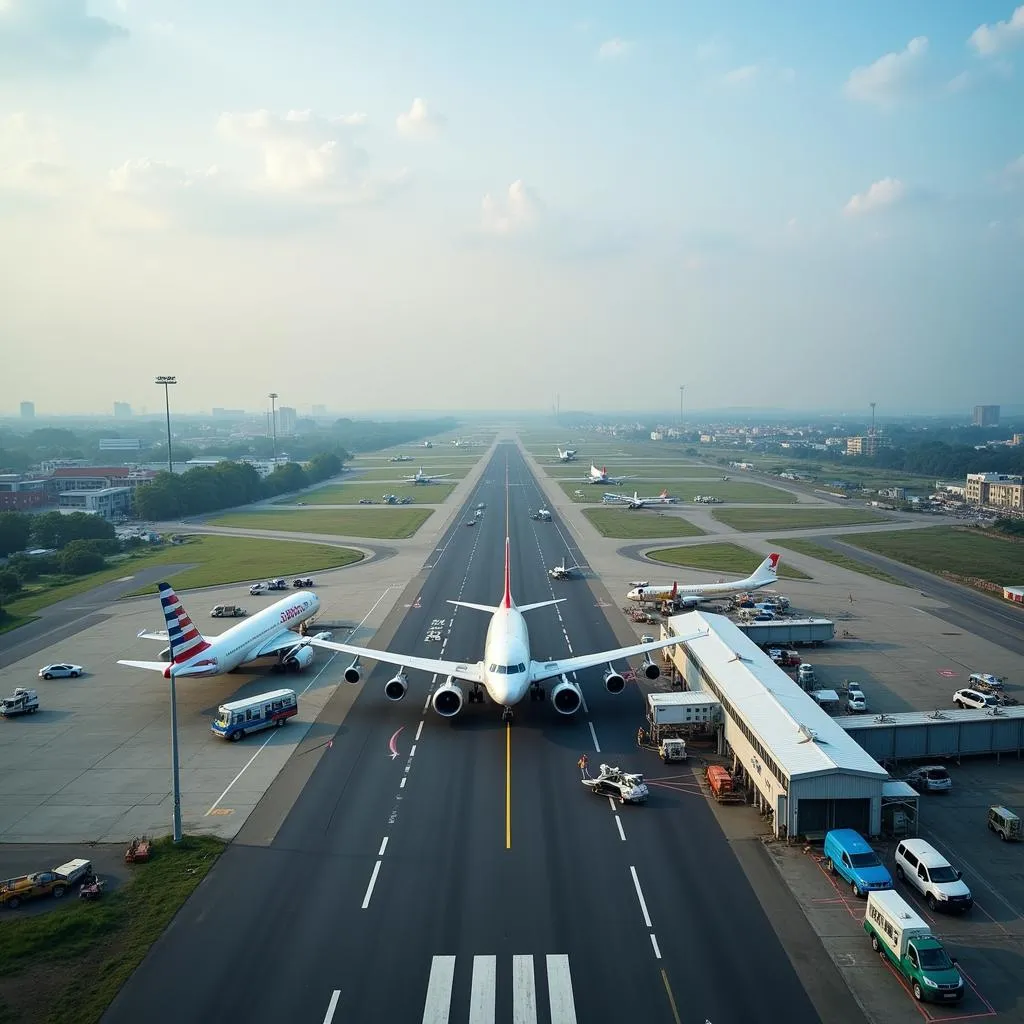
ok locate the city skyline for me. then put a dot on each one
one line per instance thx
(790, 207)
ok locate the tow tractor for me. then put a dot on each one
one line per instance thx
(626, 787)
(672, 749)
(21, 702)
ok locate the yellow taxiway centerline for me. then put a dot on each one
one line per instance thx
(508, 785)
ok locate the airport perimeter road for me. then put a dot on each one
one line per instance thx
(456, 870)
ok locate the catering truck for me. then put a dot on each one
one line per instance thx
(789, 632)
(903, 938)
(670, 714)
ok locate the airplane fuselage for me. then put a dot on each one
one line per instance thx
(506, 661)
(654, 594)
(241, 643)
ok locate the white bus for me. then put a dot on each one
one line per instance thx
(264, 710)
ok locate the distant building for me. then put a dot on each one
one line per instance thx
(1015, 594)
(105, 501)
(286, 418)
(319, 410)
(18, 493)
(1018, 439)
(868, 444)
(896, 493)
(98, 478)
(120, 444)
(986, 416)
(122, 411)
(28, 410)
(657, 435)
(997, 489)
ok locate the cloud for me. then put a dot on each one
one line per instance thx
(518, 212)
(31, 156)
(51, 35)
(766, 71)
(302, 151)
(890, 77)
(611, 49)
(419, 121)
(742, 74)
(883, 194)
(1003, 35)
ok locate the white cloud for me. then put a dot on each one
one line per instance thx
(517, 212)
(145, 177)
(742, 74)
(768, 71)
(710, 49)
(991, 39)
(882, 194)
(419, 121)
(611, 49)
(958, 83)
(889, 77)
(51, 35)
(31, 155)
(303, 151)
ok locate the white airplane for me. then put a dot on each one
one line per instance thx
(569, 455)
(427, 444)
(542, 515)
(507, 671)
(600, 476)
(695, 593)
(422, 478)
(637, 502)
(563, 571)
(268, 632)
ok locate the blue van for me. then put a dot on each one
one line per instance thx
(849, 855)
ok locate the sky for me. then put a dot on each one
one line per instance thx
(382, 206)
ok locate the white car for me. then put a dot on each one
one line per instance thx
(856, 702)
(61, 671)
(966, 698)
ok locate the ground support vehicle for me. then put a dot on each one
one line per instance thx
(1004, 823)
(228, 611)
(237, 718)
(671, 715)
(14, 891)
(21, 702)
(723, 786)
(138, 851)
(671, 750)
(626, 787)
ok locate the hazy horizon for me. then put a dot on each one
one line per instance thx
(383, 207)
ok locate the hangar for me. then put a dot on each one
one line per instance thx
(803, 769)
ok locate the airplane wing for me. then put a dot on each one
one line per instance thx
(472, 673)
(547, 669)
(157, 634)
(283, 641)
(609, 496)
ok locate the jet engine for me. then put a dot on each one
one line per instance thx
(651, 669)
(324, 635)
(354, 672)
(448, 699)
(566, 697)
(613, 682)
(299, 658)
(394, 688)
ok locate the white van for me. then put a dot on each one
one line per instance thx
(925, 869)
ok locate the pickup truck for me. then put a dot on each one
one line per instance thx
(21, 702)
(13, 891)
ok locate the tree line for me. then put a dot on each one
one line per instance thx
(226, 484)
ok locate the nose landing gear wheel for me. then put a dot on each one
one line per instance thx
(506, 714)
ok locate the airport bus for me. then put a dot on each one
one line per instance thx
(252, 714)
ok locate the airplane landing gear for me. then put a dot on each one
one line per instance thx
(506, 714)
(537, 692)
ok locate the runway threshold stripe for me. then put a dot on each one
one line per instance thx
(332, 1006)
(437, 1005)
(373, 882)
(640, 896)
(482, 990)
(561, 1004)
(524, 990)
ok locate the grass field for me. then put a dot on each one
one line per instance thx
(688, 479)
(753, 520)
(379, 523)
(968, 553)
(216, 560)
(349, 494)
(685, 491)
(64, 966)
(724, 557)
(808, 547)
(630, 525)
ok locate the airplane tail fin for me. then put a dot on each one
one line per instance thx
(185, 639)
(664, 493)
(768, 569)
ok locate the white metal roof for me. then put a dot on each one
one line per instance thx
(944, 716)
(681, 698)
(771, 703)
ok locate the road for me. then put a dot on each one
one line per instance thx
(471, 877)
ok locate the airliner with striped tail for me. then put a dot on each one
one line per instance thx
(269, 633)
(507, 671)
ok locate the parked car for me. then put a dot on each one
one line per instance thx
(1004, 823)
(306, 581)
(61, 671)
(966, 698)
(849, 855)
(986, 682)
(925, 869)
(258, 588)
(931, 778)
(856, 702)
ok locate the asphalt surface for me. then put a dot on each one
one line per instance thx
(473, 875)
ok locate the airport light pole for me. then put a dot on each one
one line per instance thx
(273, 421)
(682, 388)
(167, 382)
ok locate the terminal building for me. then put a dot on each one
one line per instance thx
(802, 768)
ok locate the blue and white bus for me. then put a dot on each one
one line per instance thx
(264, 710)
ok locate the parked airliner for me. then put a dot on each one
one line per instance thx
(423, 478)
(600, 476)
(637, 502)
(268, 632)
(569, 455)
(694, 593)
(507, 670)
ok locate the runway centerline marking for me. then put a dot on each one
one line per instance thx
(383, 847)
(508, 785)
(597, 746)
(618, 824)
(419, 730)
(373, 882)
(640, 896)
(654, 943)
(332, 1006)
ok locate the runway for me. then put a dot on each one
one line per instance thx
(456, 870)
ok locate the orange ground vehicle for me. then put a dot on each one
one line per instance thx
(722, 787)
(138, 851)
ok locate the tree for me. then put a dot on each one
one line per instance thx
(55, 530)
(80, 557)
(15, 528)
(10, 582)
